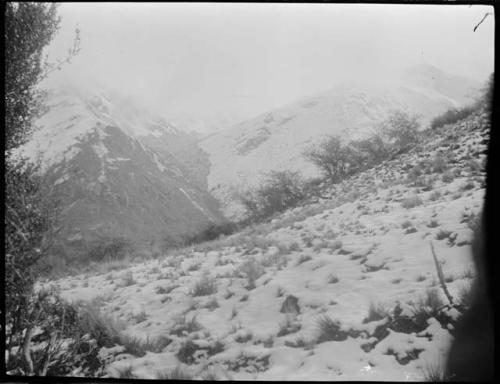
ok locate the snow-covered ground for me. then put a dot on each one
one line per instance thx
(269, 288)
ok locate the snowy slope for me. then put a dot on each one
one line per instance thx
(242, 154)
(110, 163)
(362, 244)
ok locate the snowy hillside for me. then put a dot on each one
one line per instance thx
(290, 299)
(242, 154)
(119, 171)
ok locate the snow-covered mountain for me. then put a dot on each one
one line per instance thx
(119, 170)
(344, 288)
(241, 155)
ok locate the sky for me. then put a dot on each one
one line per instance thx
(223, 63)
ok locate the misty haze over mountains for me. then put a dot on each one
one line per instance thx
(124, 171)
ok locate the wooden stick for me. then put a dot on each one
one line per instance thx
(440, 275)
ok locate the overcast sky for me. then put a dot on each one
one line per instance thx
(237, 60)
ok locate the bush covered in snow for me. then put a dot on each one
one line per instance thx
(280, 191)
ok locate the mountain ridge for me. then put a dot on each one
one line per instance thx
(275, 140)
(109, 166)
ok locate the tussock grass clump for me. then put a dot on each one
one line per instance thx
(467, 186)
(194, 267)
(420, 278)
(329, 330)
(375, 312)
(332, 279)
(468, 273)
(206, 286)
(303, 259)
(216, 348)
(290, 305)
(126, 372)
(435, 195)
(433, 224)
(178, 373)
(252, 270)
(183, 326)
(209, 376)
(466, 294)
(243, 338)
(128, 280)
(300, 342)
(138, 347)
(442, 234)
(104, 329)
(433, 373)
(406, 224)
(165, 290)
(280, 292)
(288, 327)
(427, 306)
(140, 317)
(186, 352)
(212, 304)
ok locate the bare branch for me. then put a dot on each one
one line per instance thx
(484, 17)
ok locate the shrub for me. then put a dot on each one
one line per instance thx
(211, 232)
(439, 164)
(411, 202)
(451, 116)
(56, 320)
(373, 150)
(280, 191)
(206, 286)
(447, 177)
(110, 249)
(334, 159)
(401, 129)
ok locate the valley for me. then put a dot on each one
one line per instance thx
(311, 294)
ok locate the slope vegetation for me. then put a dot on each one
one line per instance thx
(344, 288)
